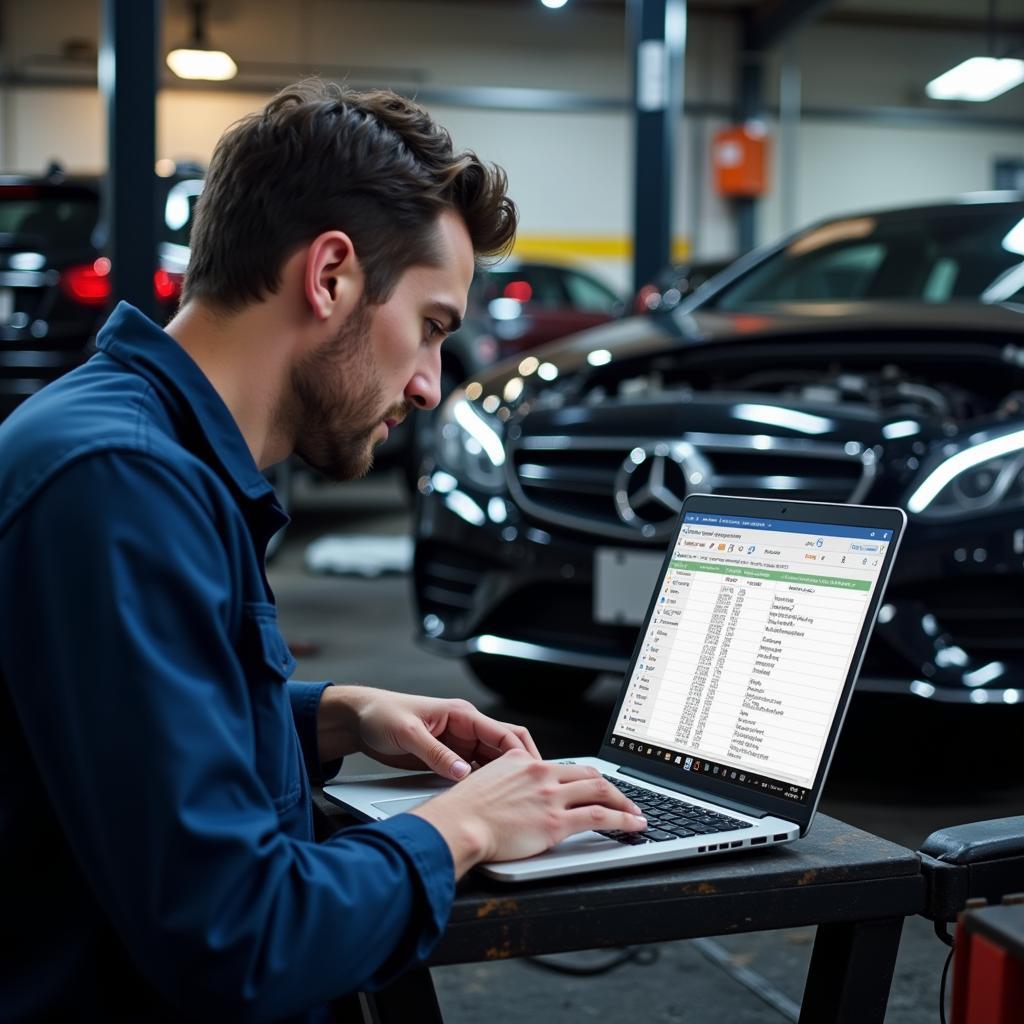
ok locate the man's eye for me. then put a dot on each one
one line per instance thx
(435, 329)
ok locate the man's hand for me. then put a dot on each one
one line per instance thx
(517, 807)
(404, 731)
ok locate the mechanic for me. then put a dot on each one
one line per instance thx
(156, 827)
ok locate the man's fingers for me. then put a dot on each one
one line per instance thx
(575, 772)
(469, 725)
(601, 819)
(433, 753)
(586, 792)
(526, 739)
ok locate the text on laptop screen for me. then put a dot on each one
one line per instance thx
(749, 646)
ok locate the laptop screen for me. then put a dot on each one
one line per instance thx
(748, 648)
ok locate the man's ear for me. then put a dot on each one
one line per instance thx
(333, 279)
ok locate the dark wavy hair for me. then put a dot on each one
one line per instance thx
(323, 157)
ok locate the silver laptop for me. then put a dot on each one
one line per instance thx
(731, 709)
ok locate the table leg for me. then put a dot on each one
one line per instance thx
(851, 972)
(410, 998)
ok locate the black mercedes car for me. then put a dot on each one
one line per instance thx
(876, 359)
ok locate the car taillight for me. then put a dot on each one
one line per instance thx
(19, 191)
(166, 286)
(88, 284)
(518, 290)
(648, 298)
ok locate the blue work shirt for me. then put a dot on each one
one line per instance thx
(157, 858)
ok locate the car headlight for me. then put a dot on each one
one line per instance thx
(985, 476)
(470, 445)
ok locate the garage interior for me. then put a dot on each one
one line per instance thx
(822, 102)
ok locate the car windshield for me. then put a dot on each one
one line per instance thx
(966, 253)
(179, 209)
(31, 217)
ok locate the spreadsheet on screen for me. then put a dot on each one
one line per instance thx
(750, 643)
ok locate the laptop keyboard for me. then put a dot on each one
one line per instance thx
(670, 818)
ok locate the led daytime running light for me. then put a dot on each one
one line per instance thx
(945, 473)
(470, 421)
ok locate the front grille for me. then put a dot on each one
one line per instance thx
(580, 482)
(448, 580)
(980, 614)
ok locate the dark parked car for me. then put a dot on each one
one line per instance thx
(55, 285)
(876, 359)
(511, 308)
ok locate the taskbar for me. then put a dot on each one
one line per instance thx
(713, 769)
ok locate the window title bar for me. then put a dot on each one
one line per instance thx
(787, 526)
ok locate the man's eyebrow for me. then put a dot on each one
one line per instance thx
(454, 317)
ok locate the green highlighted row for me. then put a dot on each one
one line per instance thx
(774, 574)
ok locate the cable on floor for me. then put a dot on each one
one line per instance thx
(642, 956)
(942, 987)
(942, 931)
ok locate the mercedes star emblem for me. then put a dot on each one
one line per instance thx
(653, 481)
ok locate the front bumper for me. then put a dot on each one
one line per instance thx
(508, 587)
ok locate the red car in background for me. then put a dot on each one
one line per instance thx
(532, 303)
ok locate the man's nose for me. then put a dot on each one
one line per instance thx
(424, 388)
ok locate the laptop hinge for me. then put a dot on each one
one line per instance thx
(733, 805)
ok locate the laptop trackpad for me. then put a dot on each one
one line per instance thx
(390, 807)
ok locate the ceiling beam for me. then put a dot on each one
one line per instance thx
(771, 22)
(923, 22)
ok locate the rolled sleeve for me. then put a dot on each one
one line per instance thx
(430, 863)
(305, 698)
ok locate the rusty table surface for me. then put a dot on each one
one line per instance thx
(836, 874)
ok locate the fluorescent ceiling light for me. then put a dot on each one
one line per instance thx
(554, 4)
(205, 65)
(977, 79)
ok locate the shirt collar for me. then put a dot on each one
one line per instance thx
(134, 340)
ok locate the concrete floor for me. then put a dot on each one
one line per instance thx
(902, 771)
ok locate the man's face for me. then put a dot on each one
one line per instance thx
(383, 363)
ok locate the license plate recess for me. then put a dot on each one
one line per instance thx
(624, 580)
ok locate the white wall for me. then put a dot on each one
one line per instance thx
(849, 167)
(570, 172)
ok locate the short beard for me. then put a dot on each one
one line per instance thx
(336, 402)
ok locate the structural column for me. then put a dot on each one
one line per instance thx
(749, 108)
(128, 80)
(764, 27)
(658, 35)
